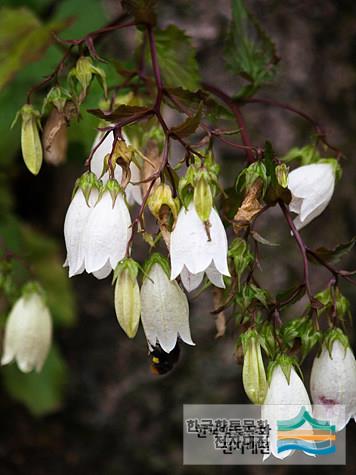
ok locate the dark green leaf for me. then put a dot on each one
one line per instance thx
(332, 256)
(189, 126)
(43, 392)
(191, 101)
(176, 57)
(122, 112)
(249, 51)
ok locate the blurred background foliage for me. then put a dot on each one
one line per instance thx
(102, 411)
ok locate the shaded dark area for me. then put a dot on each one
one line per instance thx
(118, 417)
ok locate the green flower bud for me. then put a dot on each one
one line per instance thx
(30, 138)
(282, 175)
(161, 196)
(203, 198)
(253, 372)
(127, 296)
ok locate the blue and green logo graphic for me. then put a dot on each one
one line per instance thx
(304, 433)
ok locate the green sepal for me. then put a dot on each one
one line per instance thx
(157, 258)
(33, 287)
(128, 264)
(335, 334)
(86, 183)
(57, 97)
(285, 362)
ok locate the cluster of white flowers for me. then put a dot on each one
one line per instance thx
(97, 227)
(332, 386)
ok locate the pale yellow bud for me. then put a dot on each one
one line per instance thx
(30, 139)
(253, 373)
(127, 301)
(161, 196)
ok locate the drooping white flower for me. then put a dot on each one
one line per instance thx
(198, 247)
(164, 310)
(312, 187)
(97, 234)
(333, 385)
(133, 192)
(28, 333)
(74, 224)
(283, 401)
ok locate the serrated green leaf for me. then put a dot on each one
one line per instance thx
(332, 256)
(249, 51)
(42, 393)
(176, 57)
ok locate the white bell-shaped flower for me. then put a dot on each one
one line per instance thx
(283, 401)
(312, 187)
(28, 333)
(133, 192)
(164, 310)
(97, 233)
(74, 224)
(333, 385)
(198, 247)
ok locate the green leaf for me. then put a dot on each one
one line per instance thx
(23, 39)
(42, 393)
(189, 126)
(143, 10)
(249, 51)
(176, 57)
(122, 112)
(191, 101)
(332, 256)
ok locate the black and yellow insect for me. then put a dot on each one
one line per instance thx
(162, 362)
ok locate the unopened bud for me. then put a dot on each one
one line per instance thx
(30, 138)
(253, 373)
(282, 175)
(162, 196)
(203, 199)
(127, 297)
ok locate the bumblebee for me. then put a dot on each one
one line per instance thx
(162, 362)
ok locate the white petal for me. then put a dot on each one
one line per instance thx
(75, 221)
(191, 281)
(283, 401)
(28, 334)
(164, 311)
(97, 161)
(103, 272)
(190, 244)
(333, 382)
(133, 192)
(106, 234)
(215, 276)
(312, 187)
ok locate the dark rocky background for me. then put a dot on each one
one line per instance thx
(118, 418)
